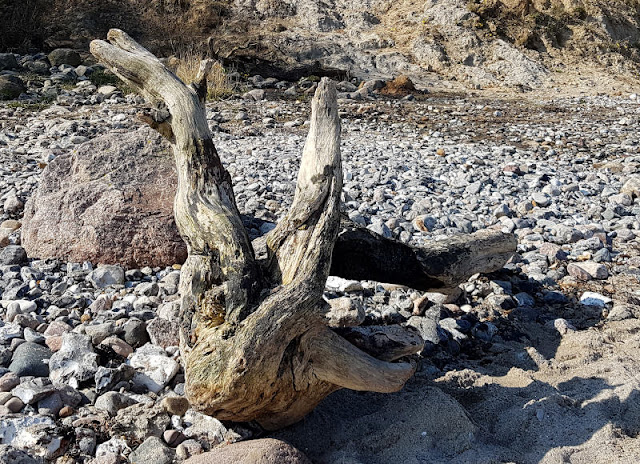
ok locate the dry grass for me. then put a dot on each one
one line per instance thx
(186, 65)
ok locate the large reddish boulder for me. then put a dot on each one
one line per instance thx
(263, 451)
(109, 201)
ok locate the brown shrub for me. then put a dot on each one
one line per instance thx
(186, 65)
(401, 85)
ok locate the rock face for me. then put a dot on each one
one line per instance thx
(110, 201)
(263, 451)
(362, 38)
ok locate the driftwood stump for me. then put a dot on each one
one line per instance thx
(254, 338)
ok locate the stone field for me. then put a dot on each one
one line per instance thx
(534, 363)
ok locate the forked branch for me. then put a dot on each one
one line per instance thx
(253, 334)
(254, 347)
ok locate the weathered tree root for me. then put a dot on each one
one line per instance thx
(253, 335)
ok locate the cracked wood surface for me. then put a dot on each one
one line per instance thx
(253, 334)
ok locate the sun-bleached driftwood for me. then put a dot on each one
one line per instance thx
(254, 338)
(362, 254)
(385, 342)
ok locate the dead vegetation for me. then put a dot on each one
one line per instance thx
(607, 27)
(162, 24)
(186, 65)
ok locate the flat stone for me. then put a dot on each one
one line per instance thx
(10, 225)
(152, 451)
(70, 396)
(541, 199)
(102, 303)
(118, 346)
(138, 422)
(255, 95)
(30, 359)
(147, 289)
(595, 299)
(203, 427)
(99, 332)
(596, 270)
(107, 90)
(262, 451)
(381, 229)
(553, 251)
(111, 402)
(345, 312)
(427, 327)
(8, 381)
(588, 270)
(106, 275)
(157, 368)
(57, 328)
(341, 285)
(13, 254)
(51, 405)
(64, 56)
(163, 333)
(75, 362)
(54, 343)
(33, 390)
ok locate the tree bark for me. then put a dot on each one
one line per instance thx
(253, 333)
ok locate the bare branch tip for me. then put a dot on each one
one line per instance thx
(95, 46)
(327, 87)
(114, 34)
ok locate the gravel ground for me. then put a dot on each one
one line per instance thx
(534, 362)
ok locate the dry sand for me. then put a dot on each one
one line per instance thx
(569, 399)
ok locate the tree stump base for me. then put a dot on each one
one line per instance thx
(254, 338)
